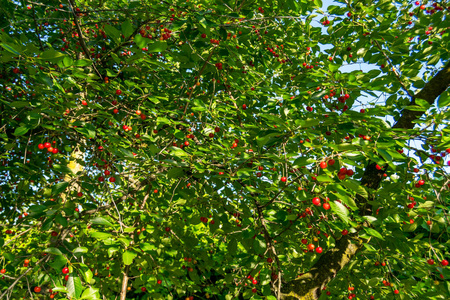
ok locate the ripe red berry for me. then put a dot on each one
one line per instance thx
(323, 164)
(37, 289)
(118, 92)
(283, 179)
(444, 262)
(144, 289)
(316, 201)
(344, 232)
(2, 271)
(326, 206)
(319, 250)
(396, 292)
(430, 261)
(65, 270)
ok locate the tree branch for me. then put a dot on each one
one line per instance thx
(433, 89)
(80, 36)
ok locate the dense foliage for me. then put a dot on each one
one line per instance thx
(222, 149)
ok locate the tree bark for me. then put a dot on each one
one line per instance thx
(309, 286)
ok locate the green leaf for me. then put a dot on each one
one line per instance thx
(303, 161)
(232, 246)
(13, 49)
(101, 221)
(112, 32)
(157, 47)
(259, 245)
(91, 294)
(62, 169)
(86, 272)
(74, 287)
(54, 251)
(59, 188)
(127, 28)
(374, 233)
(128, 257)
(444, 99)
(140, 41)
(355, 186)
(175, 173)
(82, 62)
(79, 250)
(340, 210)
(100, 235)
(18, 104)
(21, 131)
(422, 103)
(178, 152)
(61, 220)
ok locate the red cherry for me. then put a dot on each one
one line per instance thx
(319, 250)
(144, 289)
(270, 260)
(101, 179)
(167, 229)
(331, 162)
(37, 289)
(47, 145)
(254, 290)
(304, 241)
(316, 201)
(323, 164)
(311, 247)
(112, 179)
(118, 92)
(444, 262)
(254, 281)
(41, 146)
(2, 271)
(65, 270)
(396, 292)
(244, 106)
(430, 261)
(326, 206)
(159, 281)
(349, 172)
(283, 179)
(344, 232)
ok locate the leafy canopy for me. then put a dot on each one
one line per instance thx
(217, 149)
